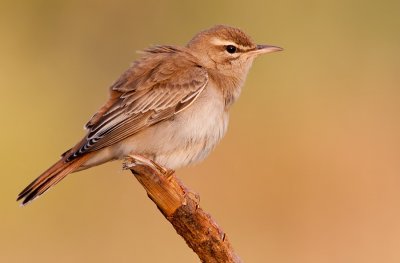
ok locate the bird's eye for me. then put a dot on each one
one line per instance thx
(231, 49)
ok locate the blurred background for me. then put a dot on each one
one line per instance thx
(309, 169)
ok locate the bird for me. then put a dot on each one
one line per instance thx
(171, 106)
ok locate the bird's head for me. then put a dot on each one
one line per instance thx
(227, 49)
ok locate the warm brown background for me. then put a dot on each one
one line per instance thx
(309, 171)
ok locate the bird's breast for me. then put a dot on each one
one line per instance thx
(194, 132)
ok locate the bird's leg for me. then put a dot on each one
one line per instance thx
(164, 170)
(134, 158)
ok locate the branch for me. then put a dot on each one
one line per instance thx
(181, 208)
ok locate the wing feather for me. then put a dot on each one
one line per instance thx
(160, 85)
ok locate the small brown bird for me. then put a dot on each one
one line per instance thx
(171, 106)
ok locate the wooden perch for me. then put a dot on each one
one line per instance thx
(181, 208)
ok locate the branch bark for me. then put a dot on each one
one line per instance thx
(180, 207)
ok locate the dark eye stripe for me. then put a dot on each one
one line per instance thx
(238, 49)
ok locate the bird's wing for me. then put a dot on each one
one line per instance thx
(158, 86)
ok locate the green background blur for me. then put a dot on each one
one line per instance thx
(308, 172)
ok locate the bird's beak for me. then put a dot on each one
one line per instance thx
(263, 49)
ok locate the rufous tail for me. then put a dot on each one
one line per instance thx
(50, 177)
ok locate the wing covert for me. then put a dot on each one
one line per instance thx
(149, 92)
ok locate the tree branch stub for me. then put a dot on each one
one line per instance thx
(181, 208)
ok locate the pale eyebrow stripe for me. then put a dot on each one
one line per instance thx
(221, 42)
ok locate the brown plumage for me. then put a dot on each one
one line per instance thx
(170, 106)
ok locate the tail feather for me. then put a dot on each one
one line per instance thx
(49, 178)
(44, 176)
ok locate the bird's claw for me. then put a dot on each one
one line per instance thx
(133, 160)
(128, 163)
(165, 171)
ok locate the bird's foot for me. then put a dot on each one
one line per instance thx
(134, 159)
(164, 170)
